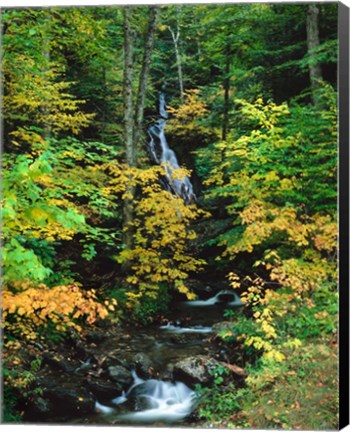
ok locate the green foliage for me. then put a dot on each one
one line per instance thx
(31, 211)
(270, 174)
(17, 380)
(219, 401)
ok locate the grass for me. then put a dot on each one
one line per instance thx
(299, 393)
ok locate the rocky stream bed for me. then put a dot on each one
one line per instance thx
(145, 375)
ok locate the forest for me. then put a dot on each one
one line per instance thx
(169, 215)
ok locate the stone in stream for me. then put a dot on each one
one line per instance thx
(103, 390)
(143, 365)
(120, 375)
(96, 337)
(195, 370)
(57, 361)
(60, 402)
(38, 408)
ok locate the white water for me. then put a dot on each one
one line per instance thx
(163, 155)
(120, 399)
(103, 409)
(160, 401)
(196, 329)
(218, 299)
(164, 401)
(151, 401)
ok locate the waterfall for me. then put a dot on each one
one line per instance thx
(162, 154)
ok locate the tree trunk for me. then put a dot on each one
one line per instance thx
(130, 153)
(313, 42)
(46, 55)
(178, 59)
(140, 104)
(226, 92)
(133, 116)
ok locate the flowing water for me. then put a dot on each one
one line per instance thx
(186, 333)
(162, 154)
(153, 401)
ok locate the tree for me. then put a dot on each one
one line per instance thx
(133, 114)
(313, 44)
(175, 37)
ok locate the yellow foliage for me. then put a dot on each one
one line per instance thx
(161, 232)
(184, 120)
(41, 97)
(31, 307)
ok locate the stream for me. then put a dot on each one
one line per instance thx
(142, 366)
(186, 333)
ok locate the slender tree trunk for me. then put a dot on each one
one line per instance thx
(46, 54)
(313, 42)
(104, 110)
(133, 116)
(130, 153)
(176, 38)
(140, 104)
(225, 119)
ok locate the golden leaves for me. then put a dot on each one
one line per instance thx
(61, 305)
(161, 231)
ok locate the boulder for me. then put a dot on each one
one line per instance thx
(143, 365)
(60, 402)
(58, 362)
(104, 391)
(71, 401)
(38, 409)
(120, 375)
(195, 370)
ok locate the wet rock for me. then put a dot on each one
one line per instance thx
(39, 408)
(195, 370)
(120, 375)
(72, 401)
(222, 326)
(117, 357)
(200, 288)
(143, 365)
(60, 402)
(179, 339)
(104, 391)
(57, 362)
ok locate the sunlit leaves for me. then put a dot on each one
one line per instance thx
(161, 232)
(34, 306)
(272, 178)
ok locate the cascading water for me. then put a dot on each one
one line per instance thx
(180, 330)
(162, 154)
(230, 298)
(160, 399)
(154, 401)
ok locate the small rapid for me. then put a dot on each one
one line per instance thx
(230, 298)
(170, 327)
(186, 332)
(152, 401)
